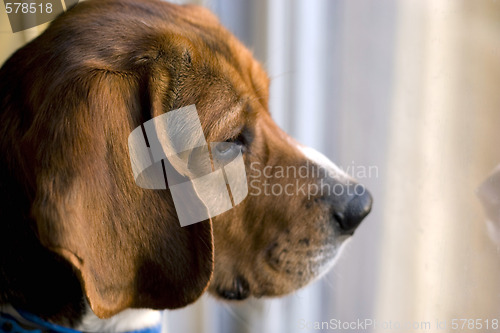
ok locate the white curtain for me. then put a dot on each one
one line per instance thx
(438, 262)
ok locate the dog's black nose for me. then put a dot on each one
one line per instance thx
(355, 211)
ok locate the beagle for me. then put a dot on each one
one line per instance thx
(82, 247)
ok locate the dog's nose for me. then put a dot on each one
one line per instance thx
(355, 211)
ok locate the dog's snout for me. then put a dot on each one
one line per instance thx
(355, 211)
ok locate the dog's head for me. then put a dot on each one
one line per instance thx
(101, 70)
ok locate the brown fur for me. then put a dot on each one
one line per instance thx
(73, 222)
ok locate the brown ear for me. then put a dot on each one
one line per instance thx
(125, 241)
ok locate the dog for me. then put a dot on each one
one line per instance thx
(81, 245)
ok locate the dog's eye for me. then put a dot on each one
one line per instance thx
(226, 151)
(233, 146)
(224, 148)
(240, 139)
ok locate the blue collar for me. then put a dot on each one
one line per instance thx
(34, 324)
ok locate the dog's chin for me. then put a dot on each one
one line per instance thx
(286, 276)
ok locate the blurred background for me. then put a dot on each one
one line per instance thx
(411, 90)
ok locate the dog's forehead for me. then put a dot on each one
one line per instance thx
(230, 84)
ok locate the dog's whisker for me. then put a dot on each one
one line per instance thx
(238, 317)
(282, 74)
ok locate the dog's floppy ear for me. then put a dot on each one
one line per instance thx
(125, 242)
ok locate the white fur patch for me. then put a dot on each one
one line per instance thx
(127, 320)
(321, 160)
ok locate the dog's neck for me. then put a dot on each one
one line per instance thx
(133, 321)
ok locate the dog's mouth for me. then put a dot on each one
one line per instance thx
(239, 290)
(281, 271)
